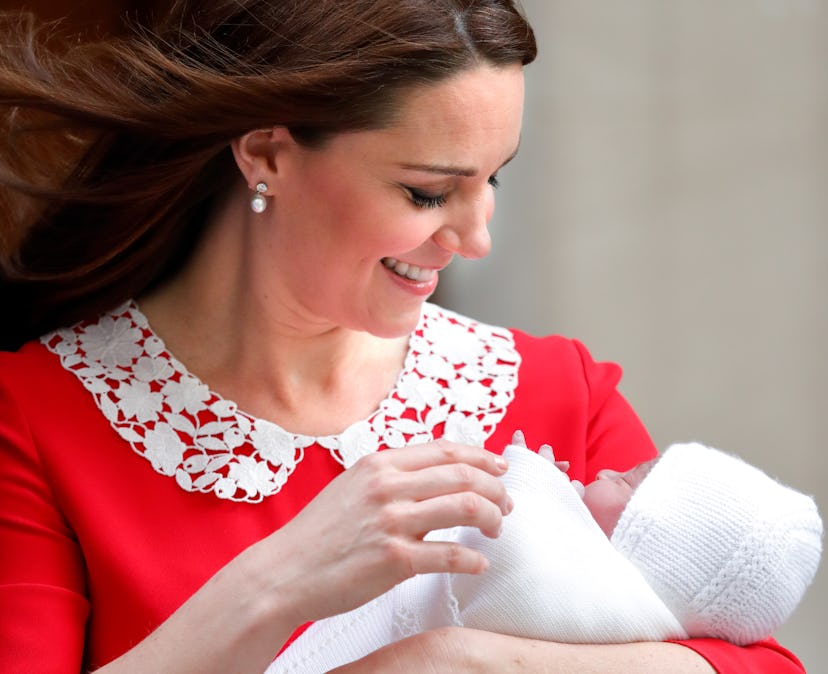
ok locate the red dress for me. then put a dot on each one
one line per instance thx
(125, 483)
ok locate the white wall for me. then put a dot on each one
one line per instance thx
(669, 207)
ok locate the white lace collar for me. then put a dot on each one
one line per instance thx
(459, 377)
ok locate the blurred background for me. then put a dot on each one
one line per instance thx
(669, 207)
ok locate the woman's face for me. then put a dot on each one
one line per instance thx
(608, 495)
(360, 229)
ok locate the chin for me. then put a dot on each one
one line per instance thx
(394, 331)
(392, 326)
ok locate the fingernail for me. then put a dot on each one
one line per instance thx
(519, 439)
(509, 505)
(501, 463)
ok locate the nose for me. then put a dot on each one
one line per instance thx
(466, 231)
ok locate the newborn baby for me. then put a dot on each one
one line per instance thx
(694, 543)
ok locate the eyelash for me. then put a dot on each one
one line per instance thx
(422, 200)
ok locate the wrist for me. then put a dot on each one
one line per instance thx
(265, 591)
(237, 621)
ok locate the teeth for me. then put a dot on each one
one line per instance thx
(402, 268)
(408, 271)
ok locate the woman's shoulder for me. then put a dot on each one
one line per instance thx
(538, 352)
(439, 317)
(46, 367)
(32, 383)
(28, 361)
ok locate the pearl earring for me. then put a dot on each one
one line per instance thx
(258, 203)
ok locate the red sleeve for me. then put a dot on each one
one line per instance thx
(613, 424)
(764, 657)
(615, 436)
(44, 612)
(571, 401)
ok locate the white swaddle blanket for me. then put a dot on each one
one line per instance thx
(553, 575)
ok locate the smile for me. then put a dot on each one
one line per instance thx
(409, 271)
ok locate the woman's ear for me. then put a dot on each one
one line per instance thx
(258, 154)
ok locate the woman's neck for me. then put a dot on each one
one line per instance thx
(253, 348)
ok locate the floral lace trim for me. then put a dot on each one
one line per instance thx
(458, 379)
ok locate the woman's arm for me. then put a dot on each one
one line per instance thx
(358, 538)
(466, 650)
(361, 535)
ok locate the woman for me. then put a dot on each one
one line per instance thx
(233, 263)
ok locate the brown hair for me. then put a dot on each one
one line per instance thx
(114, 151)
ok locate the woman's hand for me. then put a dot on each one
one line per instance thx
(364, 532)
(359, 537)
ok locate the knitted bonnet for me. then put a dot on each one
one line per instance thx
(728, 549)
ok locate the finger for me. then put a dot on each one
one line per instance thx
(519, 439)
(546, 452)
(440, 452)
(446, 557)
(454, 478)
(443, 512)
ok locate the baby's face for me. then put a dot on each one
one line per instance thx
(609, 494)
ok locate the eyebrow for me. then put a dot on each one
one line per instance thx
(453, 170)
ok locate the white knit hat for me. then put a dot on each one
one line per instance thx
(729, 550)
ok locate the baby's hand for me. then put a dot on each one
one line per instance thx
(519, 439)
(546, 452)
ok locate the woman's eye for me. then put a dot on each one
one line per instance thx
(423, 200)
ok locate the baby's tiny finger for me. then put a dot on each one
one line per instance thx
(546, 452)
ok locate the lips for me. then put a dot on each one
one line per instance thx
(409, 271)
